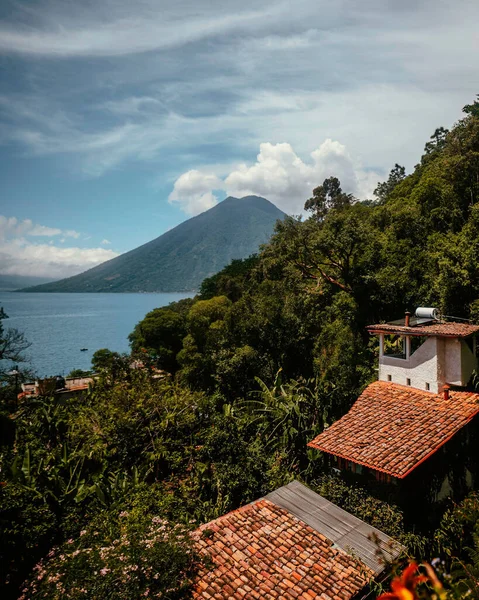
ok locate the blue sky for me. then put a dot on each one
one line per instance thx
(119, 119)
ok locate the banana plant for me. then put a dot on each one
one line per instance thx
(56, 477)
(287, 415)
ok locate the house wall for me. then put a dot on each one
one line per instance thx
(436, 362)
(451, 368)
(73, 382)
(421, 367)
(447, 475)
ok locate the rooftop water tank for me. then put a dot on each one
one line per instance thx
(424, 312)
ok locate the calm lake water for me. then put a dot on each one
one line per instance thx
(59, 325)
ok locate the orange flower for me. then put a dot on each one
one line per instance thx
(404, 587)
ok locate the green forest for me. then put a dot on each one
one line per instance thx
(99, 492)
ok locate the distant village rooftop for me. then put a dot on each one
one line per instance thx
(393, 429)
(291, 544)
(58, 386)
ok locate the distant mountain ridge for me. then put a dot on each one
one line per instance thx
(181, 258)
(10, 283)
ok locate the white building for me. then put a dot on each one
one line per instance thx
(426, 353)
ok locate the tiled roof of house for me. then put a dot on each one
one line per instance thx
(445, 329)
(265, 551)
(392, 428)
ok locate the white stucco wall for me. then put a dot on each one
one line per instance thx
(421, 367)
(452, 367)
(436, 362)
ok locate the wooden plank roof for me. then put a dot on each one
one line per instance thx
(345, 530)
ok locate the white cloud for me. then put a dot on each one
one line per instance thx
(71, 233)
(105, 242)
(20, 256)
(279, 175)
(45, 260)
(193, 192)
(42, 230)
(12, 227)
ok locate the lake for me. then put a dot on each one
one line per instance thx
(59, 325)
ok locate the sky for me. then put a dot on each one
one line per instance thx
(120, 119)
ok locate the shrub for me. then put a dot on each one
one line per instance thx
(27, 529)
(120, 555)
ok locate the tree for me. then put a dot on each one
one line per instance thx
(104, 359)
(438, 140)
(288, 415)
(396, 175)
(326, 197)
(79, 373)
(231, 280)
(205, 327)
(12, 345)
(160, 333)
(12, 342)
(158, 336)
(472, 109)
(329, 252)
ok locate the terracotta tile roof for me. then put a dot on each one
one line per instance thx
(448, 329)
(392, 428)
(263, 551)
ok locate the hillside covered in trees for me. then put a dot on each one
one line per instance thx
(302, 305)
(271, 351)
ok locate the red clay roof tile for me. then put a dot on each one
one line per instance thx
(392, 428)
(285, 544)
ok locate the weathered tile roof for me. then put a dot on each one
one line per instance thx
(263, 550)
(445, 329)
(392, 428)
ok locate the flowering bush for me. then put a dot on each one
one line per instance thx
(130, 555)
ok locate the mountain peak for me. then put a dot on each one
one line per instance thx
(181, 258)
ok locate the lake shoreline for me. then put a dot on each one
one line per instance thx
(60, 324)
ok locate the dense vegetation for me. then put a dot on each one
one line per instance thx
(271, 350)
(181, 258)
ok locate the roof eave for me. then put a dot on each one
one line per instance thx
(357, 462)
(374, 329)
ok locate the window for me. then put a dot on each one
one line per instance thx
(408, 381)
(395, 346)
(428, 387)
(390, 378)
(416, 342)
